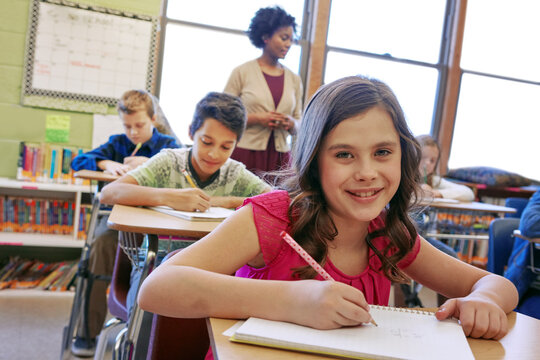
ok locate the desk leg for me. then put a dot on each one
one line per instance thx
(135, 320)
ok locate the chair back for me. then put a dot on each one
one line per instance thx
(516, 203)
(176, 338)
(500, 244)
(120, 280)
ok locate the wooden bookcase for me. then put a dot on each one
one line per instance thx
(17, 242)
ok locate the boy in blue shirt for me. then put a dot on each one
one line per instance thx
(138, 112)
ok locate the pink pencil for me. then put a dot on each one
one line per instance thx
(311, 261)
(318, 268)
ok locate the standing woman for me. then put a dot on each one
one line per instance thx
(271, 93)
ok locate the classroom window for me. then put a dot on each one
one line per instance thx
(396, 41)
(202, 47)
(500, 87)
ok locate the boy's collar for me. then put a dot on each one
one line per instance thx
(200, 183)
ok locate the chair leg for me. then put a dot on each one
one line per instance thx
(119, 344)
(81, 289)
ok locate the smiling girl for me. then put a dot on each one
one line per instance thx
(346, 201)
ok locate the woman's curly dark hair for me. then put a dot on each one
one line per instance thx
(266, 21)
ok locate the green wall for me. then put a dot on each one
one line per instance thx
(22, 123)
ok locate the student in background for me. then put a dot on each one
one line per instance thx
(271, 93)
(518, 270)
(218, 123)
(432, 184)
(137, 111)
(346, 201)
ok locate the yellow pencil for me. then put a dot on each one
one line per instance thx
(137, 147)
(188, 178)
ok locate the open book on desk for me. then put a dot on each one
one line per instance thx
(212, 214)
(400, 334)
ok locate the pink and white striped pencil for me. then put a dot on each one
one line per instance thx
(296, 247)
(311, 261)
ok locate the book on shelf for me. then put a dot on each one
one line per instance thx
(47, 216)
(213, 214)
(47, 163)
(20, 273)
(400, 334)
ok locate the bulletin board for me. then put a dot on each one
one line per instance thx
(82, 58)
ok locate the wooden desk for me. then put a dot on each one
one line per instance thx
(147, 221)
(468, 206)
(151, 223)
(520, 343)
(95, 175)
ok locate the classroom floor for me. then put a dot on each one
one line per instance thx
(32, 324)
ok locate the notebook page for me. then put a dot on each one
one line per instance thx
(400, 335)
(212, 214)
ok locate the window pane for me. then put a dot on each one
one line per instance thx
(191, 70)
(414, 86)
(403, 29)
(502, 37)
(496, 125)
(232, 14)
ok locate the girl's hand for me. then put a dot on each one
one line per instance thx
(479, 318)
(134, 161)
(430, 192)
(188, 199)
(327, 304)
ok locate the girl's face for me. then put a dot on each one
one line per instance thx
(279, 43)
(360, 166)
(430, 154)
(138, 126)
(213, 144)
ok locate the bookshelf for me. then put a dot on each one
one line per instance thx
(33, 190)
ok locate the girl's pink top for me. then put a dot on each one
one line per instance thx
(270, 215)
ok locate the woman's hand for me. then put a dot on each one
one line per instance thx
(327, 304)
(479, 317)
(187, 199)
(271, 119)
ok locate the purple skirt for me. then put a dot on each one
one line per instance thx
(261, 161)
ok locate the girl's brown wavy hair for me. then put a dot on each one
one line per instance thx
(312, 226)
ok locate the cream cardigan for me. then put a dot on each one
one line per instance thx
(247, 81)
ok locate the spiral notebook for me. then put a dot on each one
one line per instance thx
(400, 334)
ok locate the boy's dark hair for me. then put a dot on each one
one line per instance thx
(225, 108)
(312, 226)
(266, 21)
